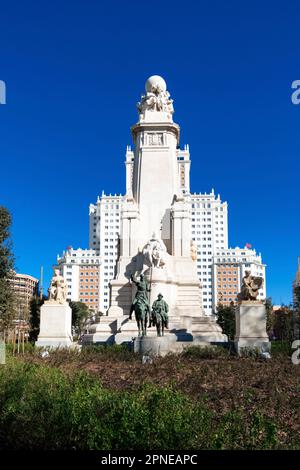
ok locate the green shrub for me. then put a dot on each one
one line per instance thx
(205, 352)
(45, 408)
(254, 353)
(109, 352)
(28, 348)
(281, 348)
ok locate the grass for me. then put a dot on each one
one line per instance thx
(105, 398)
(44, 407)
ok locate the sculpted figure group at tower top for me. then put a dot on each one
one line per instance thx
(157, 98)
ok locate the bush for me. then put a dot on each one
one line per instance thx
(205, 352)
(115, 352)
(281, 348)
(253, 353)
(43, 408)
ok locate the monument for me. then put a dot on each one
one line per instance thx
(156, 245)
(250, 317)
(56, 316)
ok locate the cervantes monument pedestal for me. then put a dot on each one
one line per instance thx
(155, 238)
(56, 317)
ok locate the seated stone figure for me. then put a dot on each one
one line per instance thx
(250, 287)
(58, 288)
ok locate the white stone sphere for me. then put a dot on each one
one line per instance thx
(155, 81)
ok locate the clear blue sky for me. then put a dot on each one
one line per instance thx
(74, 71)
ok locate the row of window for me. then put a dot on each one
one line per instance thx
(92, 294)
(89, 274)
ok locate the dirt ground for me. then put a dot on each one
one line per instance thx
(224, 383)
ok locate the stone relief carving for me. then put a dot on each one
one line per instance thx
(155, 252)
(155, 139)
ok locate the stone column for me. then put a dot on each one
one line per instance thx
(181, 230)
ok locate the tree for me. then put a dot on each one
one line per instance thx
(270, 317)
(297, 311)
(226, 319)
(283, 324)
(80, 316)
(7, 297)
(34, 317)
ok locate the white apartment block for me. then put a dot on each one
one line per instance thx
(81, 270)
(104, 239)
(209, 228)
(228, 270)
(209, 219)
(209, 222)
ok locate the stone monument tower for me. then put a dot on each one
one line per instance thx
(155, 238)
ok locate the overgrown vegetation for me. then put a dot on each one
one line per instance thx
(34, 317)
(105, 398)
(7, 300)
(226, 319)
(205, 352)
(45, 407)
(81, 315)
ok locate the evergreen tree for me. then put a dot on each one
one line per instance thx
(283, 324)
(270, 317)
(7, 297)
(297, 311)
(80, 316)
(226, 319)
(34, 320)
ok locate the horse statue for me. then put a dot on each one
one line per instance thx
(142, 313)
(140, 305)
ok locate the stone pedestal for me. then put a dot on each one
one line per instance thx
(127, 332)
(154, 345)
(55, 325)
(251, 324)
(104, 331)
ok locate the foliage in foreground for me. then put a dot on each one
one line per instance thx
(206, 352)
(7, 298)
(226, 319)
(45, 408)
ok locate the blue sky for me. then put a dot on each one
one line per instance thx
(74, 71)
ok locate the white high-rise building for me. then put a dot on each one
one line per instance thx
(228, 270)
(209, 227)
(209, 220)
(207, 214)
(210, 232)
(81, 270)
(104, 239)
